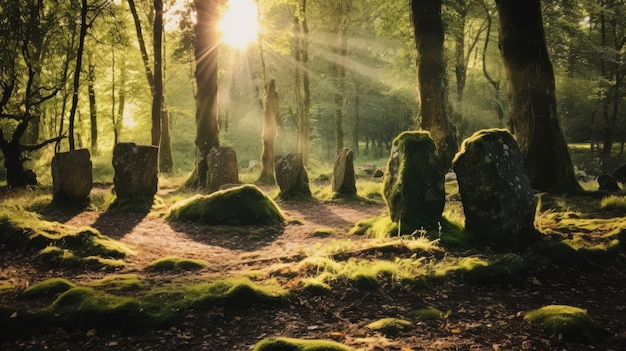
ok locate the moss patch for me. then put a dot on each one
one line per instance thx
(289, 344)
(427, 314)
(243, 205)
(572, 323)
(120, 283)
(390, 326)
(171, 263)
(64, 258)
(48, 287)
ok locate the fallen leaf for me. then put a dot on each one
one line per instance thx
(112, 343)
(92, 332)
(456, 331)
(536, 281)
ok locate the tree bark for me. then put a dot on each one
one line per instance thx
(435, 109)
(533, 107)
(207, 130)
(93, 109)
(303, 95)
(270, 110)
(157, 93)
(79, 65)
(340, 81)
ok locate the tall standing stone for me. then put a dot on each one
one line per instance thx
(344, 182)
(292, 177)
(497, 195)
(413, 185)
(222, 168)
(72, 177)
(136, 170)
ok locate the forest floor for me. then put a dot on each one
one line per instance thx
(478, 317)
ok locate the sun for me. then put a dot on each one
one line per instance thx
(239, 25)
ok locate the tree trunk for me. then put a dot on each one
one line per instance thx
(93, 114)
(79, 64)
(340, 81)
(495, 84)
(532, 100)
(119, 117)
(357, 118)
(270, 110)
(303, 95)
(207, 130)
(157, 93)
(435, 108)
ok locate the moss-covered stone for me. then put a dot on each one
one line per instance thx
(48, 287)
(413, 185)
(243, 205)
(571, 323)
(497, 196)
(289, 344)
(292, 178)
(390, 326)
(171, 263)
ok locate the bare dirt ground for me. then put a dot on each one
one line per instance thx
(480, 317)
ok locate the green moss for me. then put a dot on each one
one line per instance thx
(572, 323)
(92, 307)
(427, 314)
(243, 205)
(501, 270)
(390, 326)
(289, 344)
(323, 232)
(614, 202)
(57, 257)
(315, 286)
(578, 251)
(48, 287)
(244, 293)
(122, 282)
(171, 263)
(138, 205)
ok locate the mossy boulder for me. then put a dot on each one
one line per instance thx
(290, 344)
(242, 205)
(292, 178)
(413, 185)
(570, 323)
(497, 196)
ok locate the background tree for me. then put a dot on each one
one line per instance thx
(435, 109)
(206, 58)
(532, 99)
(28, 30)
(301, 78)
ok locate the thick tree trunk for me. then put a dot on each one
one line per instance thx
(530, 75)
(303, 95)
(270, 110)
(207, 130)
(435, 108)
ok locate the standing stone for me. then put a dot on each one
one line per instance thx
(136, 170)
(413, 185)
(72, 177)
(344, 182)
(292, 177)
(496, 193)
(222, 168)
